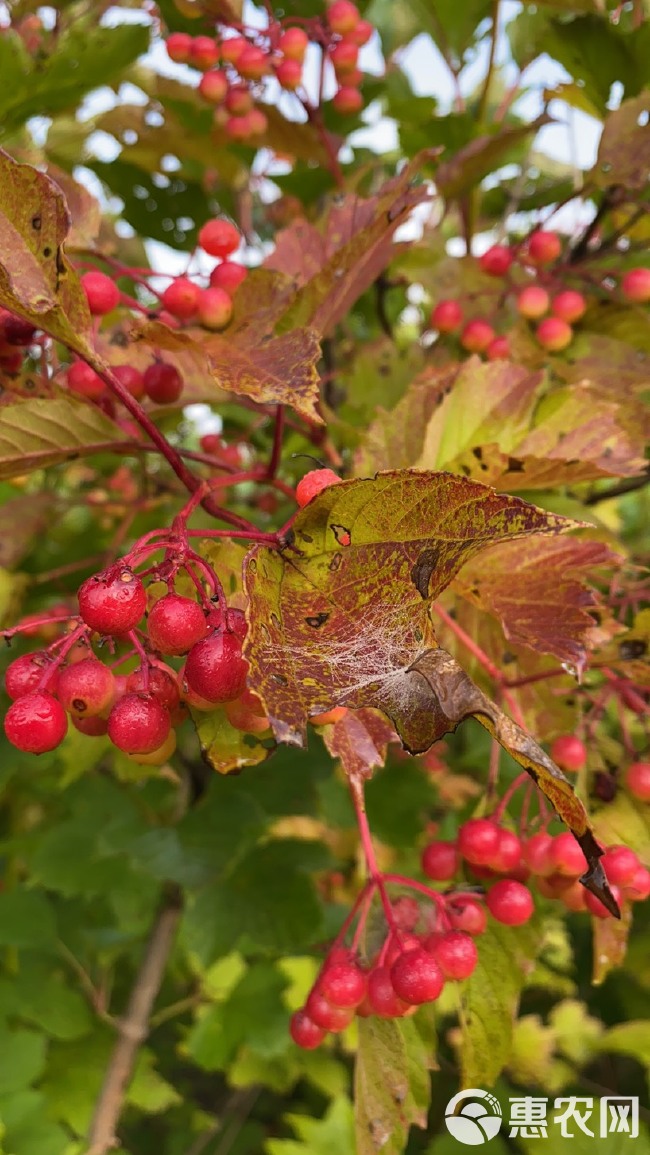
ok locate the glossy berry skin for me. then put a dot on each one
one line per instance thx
(215, 309)
(533, 302)
(569, 752)
(181, 298)
(203, 52)
(543, 247)
(94, 727)
(347, 100)
(478, 839)
(305, 1032)
(381, 994)
(101, 292)
(330, 1018)
(639, 888)
(637, 780)
(239, 101)
(507, 855)
(175, 624)
(16, 331)
(417, 977)
(620, 865)
(498, 349)
(289, 74)
(112, 602)
(23, 675)
(343, 984)
(569, 305)
(232, 49)
(596, 907)
(447, 316)
(343, 16)
(455, 952)
(554, 334)
(344, 57)
(131, 378)
(293, 44)
(635, 285)
(179, 47)
(213, 86)
(86, 688)
(440, 861)
(566, 856)
(163, 383)
(228, 276)
(496, 261)
(161, 682)
(252, 63)
(476, 336)
(314, 482)
(219, 238)
(510, 902)
(36, 723)
(467, 914)
(536, 854)
(138, 724)
(215, 668)
(85, 381)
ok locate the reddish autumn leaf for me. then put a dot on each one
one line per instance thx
(464, 171)
(335, 263)
(344, 611)
(537, 590)
(360, 740)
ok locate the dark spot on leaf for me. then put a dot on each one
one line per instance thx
(252, 566)
(317, 620)
(335, 562)
(417, 634)
(120, 339)
(605, 787)
(279, 678)
(275, 621)
(477, 452)
(342, 535)
(422, 570)
(47, 252)
(507, 658)
(306, 537)
(632, 648)
(466, 470)
(289, 538)
(37, 221)
(515, 465)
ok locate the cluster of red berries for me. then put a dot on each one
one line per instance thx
(138, 711)
(505, 862)
(233, 65)
(534, 277)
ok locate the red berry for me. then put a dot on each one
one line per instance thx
(181, 298)
(215, 668)
(232, 49)
(252, 63)
(228, 275)
(636, 285)
(161, 682)
(112, 602)
(554, 334)
(543, 247)
(455, 953)
(24, 674)
(131, 378)
(498, 349)
(163, 383)
(596, 907)
(343, 984)
(215, 309)
(236, 623)
(381, 994)
(344, 57)
(446, 316)
(573, 897)
(219, 238)
(87, 688)
(569, 752)
(293, 44)
(342, 16)
(533, 302)
(467, 914)
(102, 293)
(289, 74)
(620, 865)
(569, 305)
(36, 723)
(362, 33)
(179, 46)
(138, 724)
(638, 780)
(476, 336)
(16, 331)
(478, 840)
(175, 624)
(496, 261)
(510, 902)
(417, 977)
(536, 854)
(639, 888)
(85, 381)
(507, 856)
(93, 727)
(330, 1018)
(313, 483)
(305, 1032)
(239, 101)
(213, 86)
(347, 100)
(566, 857)
(440, 861)
(204, 52)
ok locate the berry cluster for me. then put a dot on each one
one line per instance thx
(534, 275)
(67, 681)
(235, 63)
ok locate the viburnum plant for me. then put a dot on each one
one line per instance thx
(324, 574)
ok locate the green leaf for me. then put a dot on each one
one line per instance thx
(334, 1132)
(22, 1059)
(36, 996)
(148, 1091)
(28, 1129)
(254, 1015)
(390, 1095)
(26, 919)
(39, 433)
(489, 1001)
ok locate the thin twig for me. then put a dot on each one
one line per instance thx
(133, 1029)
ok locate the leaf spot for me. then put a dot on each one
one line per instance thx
(317, 620)
(422, 570)
(342, 535)
(335, 563)
(37, 221)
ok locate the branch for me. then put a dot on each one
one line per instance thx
(133, 1029)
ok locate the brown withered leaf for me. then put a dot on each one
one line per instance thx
(624, 149)
(359, 740)
(536, 588)
(84, 209)
(22, 520)
(333, 264)
(610, 943)
(338, 616)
